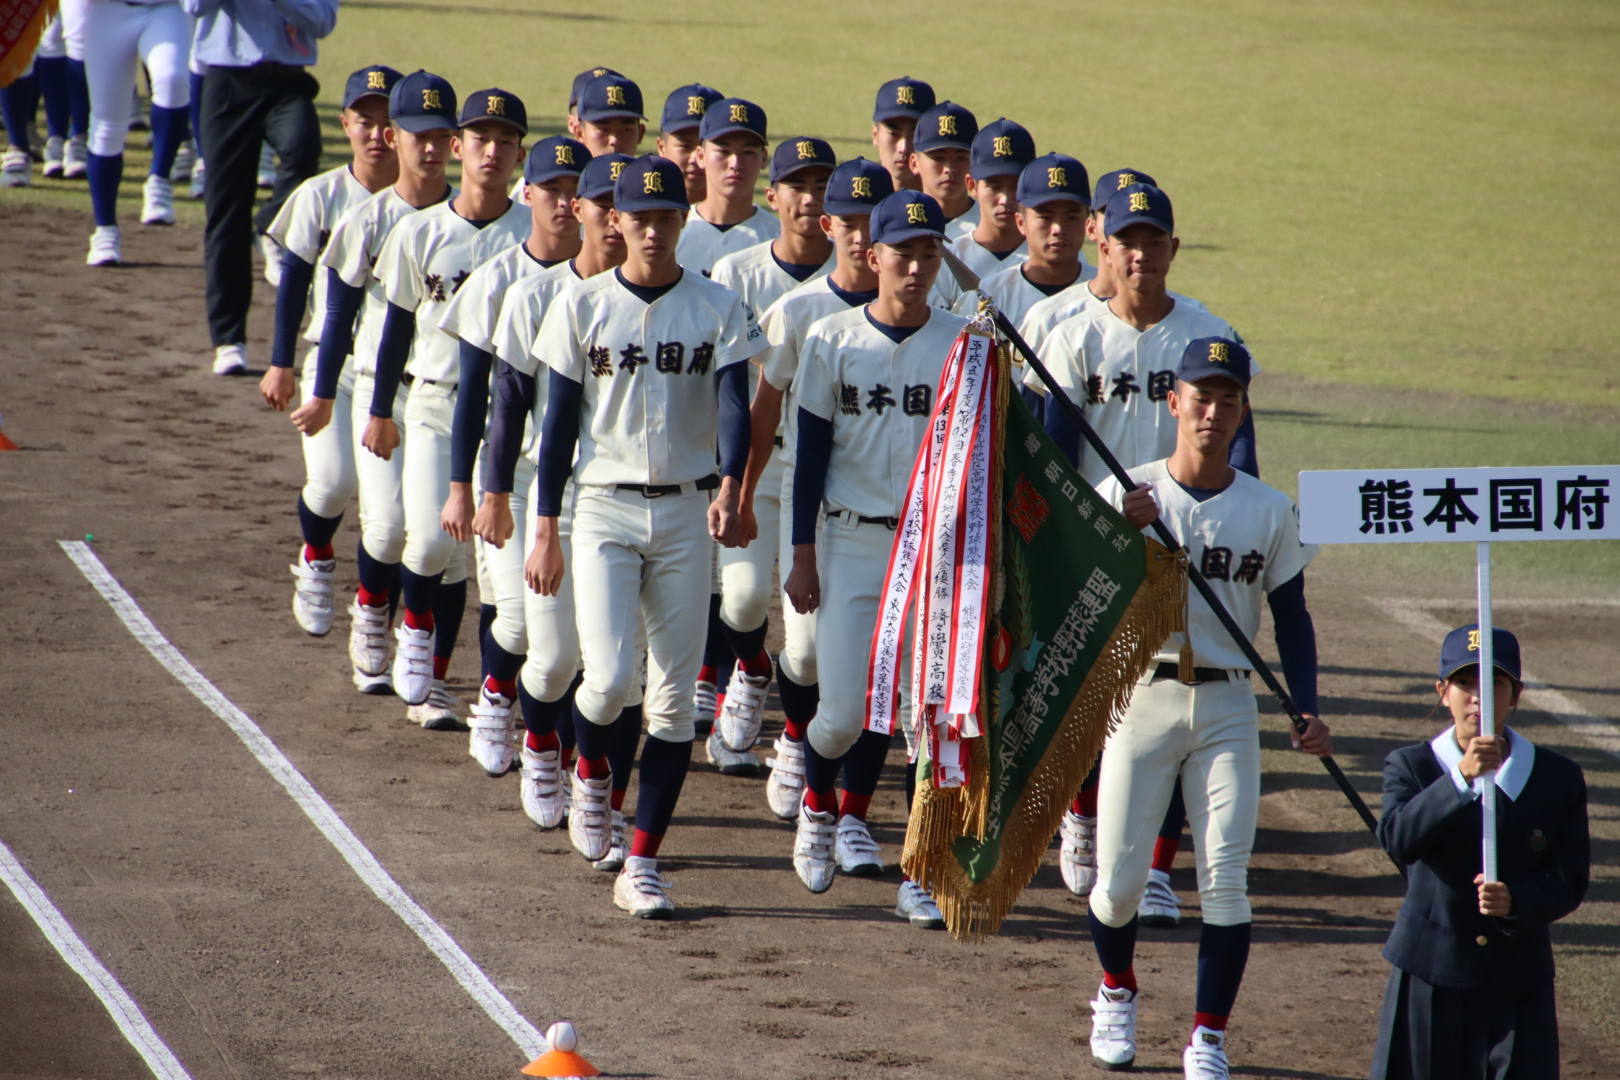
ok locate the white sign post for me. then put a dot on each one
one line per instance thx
(1415, 506)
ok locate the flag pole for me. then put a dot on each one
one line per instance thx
(1486, 785)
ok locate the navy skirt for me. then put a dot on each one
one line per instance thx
(1433, 1033)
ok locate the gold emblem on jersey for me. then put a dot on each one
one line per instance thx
(1218, 353)
(860, 187)
(615, 168)
(376, 81)
(1001, 146)
(495, 105)
(905, 95)
(1057, 176)
(695, 105)
(652, 184)
(739, 114)
(947, 124)
(1126, 179)
(615, 95)
(565, 155)
(1139, 200)
(806, 149)
(430, 99)
(916, 214)
(1473, 641)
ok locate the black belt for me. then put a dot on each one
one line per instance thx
(411, 380)
(779, 442)
(654, 491)
(1171, 670)
(889, 522)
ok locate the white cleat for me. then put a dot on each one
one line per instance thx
(858, 854)
(439, 712)
(76, 158)
(368, 639)
(784, 791)
(230, 359)
(1160, 905)
(1205, 1055)
(744, 710)
(541, 788)
(618, 847)
(185, 160)
(706, 700)
(375, 684)
(312, 595)
(918, 908)
(55, 153)
(106, 247)
(642, 891)
(157, 201)
(590, 824)
(813, 849)
(16, 168)
(199, 179)
(1113, 1028)
(728, 761)
(413, 664)
(1077, 853)
(266, 177)
(493, 738)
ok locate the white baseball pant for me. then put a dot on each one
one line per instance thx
(746, 581)
(500, 569)
(551, 632)
(116, 34)
(330, 479)
(382, 506)
(797, 660)
(425, 481)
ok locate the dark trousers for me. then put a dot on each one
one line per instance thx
(242, 108)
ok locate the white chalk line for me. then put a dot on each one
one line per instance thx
(136, 1029)
(1601, 733)
(320, 813)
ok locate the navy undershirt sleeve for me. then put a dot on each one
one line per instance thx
(1241, 454)
(810, 474)
(1036, 403)
(393, 351)
(292, 300)
(514, 400)
(472, 405)
(1296, 641)
(559, 434)
(736, 427)
(1058, 425)
(337, 333)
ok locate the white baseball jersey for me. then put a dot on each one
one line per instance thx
(755, 275)
(1046, 314)
(650, 407)
(305, 224)
(879, 396)
(702, 245)
(352, 251)
(984, 262)
(1245, 540)
(423, 264)
(1014, 294)
(1121, 377)
(513, 342)
(958, 227)
(786, 323)
(474, 311)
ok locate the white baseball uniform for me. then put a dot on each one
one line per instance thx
(117, 35)
(1245, 539)
(1015, 294)
(878, 396)
(1045, 315)
(961, 226)
(702, 245)
(984, 262)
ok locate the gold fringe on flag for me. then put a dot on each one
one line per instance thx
(16, 56)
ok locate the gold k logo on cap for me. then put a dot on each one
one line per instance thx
(947, 124)
(496, 105)
(1473, 641)
(1002, 146)
(430, 99)
(1218, 353)
(652, 184)
(807, 151)
(565, 155)
(916, 214)
(1126, 179)
(905, 95)
(1139, 200)
(1057, 176)
(694, 105)
(615, 168)
(615, 95)
(375, 80)
(860, 187)
(739, 114)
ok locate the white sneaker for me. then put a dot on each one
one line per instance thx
(230, 359)
(706, 700)
(641, 891)
(266, 177)
(858, 854)
(55, 151)
(618, 847)
(440, 712)
(76, 158)
(199, 179)
(917, 907)
(493, 739)
(185, 160)
(1205, 1055)
(1160, 905)
(16, 168)
(744, 710)
(590, 826)
(1113, 1028)
(312, 595)
(106, 247)
(368, 639)
(813, 848)
(784, 791)
(541, 788)
(728, 761)
(1077, 853)
(382, 685)
(157, 201)
(413, 664)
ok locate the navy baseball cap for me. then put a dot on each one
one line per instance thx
(1208, 357)
(581, 79)
(495, 106)
(422, 101)
(554, 156)
(856, 186)
(906, 215)
(377, 79)
(733, 114)
(609, 96)
(650, 183)
(1118, 180)
(600, 174)
(1139, 204)
(1053, 177)
(800, 152)
(685, 106)
(1461, 650)
(945, 125)
(1001, 148)
(902, 97)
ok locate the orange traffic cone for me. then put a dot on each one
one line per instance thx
(561, 1060)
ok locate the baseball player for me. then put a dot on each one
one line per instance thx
(610, 119)
(56, 78)
(678, 137)
(1000, 151)
(302, 229)
(865, 394)
(423, 263)
(422, 112)
(732, 152)
(900, 102)
(648, 375)
(551, 182)
(1202, 732)
(800, 169)
(940, 156)
(548, 678)
(854, 188)
(572, 120)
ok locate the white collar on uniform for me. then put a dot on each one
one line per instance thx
(1515, 770)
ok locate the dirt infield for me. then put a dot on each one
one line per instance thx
(256, 952)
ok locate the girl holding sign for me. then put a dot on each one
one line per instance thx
(1471, 993)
